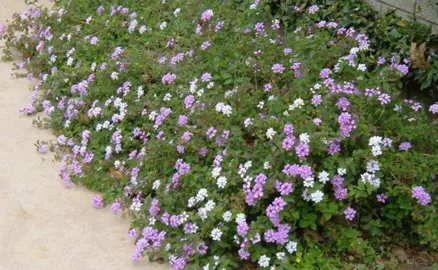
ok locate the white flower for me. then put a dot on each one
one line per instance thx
(291, 246)
(224, 108)
(227, 216)
(191, 202)
(163, 25)
(221, 182)
(240, 218)
(167, 97)
(260, 105)
(305, 138)
(183, 217)
(298, 103)
(375, 141)
(210, 205)
(280, 255)
(156, 184)
(216, 172)
(152, 221)
(342, 171)
(308, 182)
(248, 164)
(362, 67)
(323, 177)
(152, 115)
(257, 238)
(176, 12)
(354, 50)
(216, 234)
(202, 213)
(266, 165)
(373, 166)
(202, 194)
(248, 122)
(114, 75)
(136, 206)
(270, 133)
(69, 61)
(376, 150)
(375, 182)
(264, 261)
(366, 177)
(317, 196)
(253, 6)
(210, 85)
(227, 110)
(398, 108)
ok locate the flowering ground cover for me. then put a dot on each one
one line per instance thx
(232, 140)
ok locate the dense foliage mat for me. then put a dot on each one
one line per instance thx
(234, 142)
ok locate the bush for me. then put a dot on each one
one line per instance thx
(230, 139)
(389, 34)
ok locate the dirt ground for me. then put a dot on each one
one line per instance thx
(43, 225)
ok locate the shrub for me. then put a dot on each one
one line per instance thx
(389, 34)
(230, 139)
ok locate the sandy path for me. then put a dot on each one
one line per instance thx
(42, 224)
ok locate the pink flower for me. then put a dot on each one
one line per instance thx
(207, 15)
(168, 78)
(97, 201)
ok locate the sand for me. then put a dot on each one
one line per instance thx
(43, 225)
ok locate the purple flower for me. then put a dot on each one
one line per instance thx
(268, 87)
(182, 120)
(341, 194)
(206, 77)
(211, 132)
(243, 254)
(316, 100)
(155, 208)
(174, 221)
(203, 151)
(207, 15)
(343, 103)
(434, 108)
(325, 73)
(349, 213)
(202, 248)
(284, 188)
(288, 143)
(242, 228)
(405, 146)
(278, 68)
(115, 207)
(313, 9)
(168, 78)
(3, 29)
(97, 202)
(205, 45)
(42, 148)
(302, 150)
(381, 198)
(188, 101)
(421, 195)
(132, 233)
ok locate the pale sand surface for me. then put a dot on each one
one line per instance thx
(42, 224)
